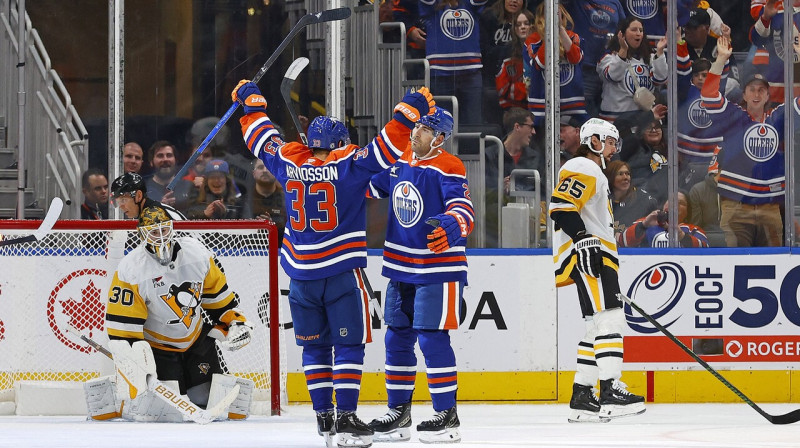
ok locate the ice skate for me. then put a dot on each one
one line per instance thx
(325, 420)
(616, 401)
(584, 407)
(394, 426)
(442, 428)
(352, 431)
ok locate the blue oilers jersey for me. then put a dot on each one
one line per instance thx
(453, 36)
(325, 199)
(751, 162)
(420, 189)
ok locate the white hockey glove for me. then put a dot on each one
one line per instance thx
(233, 332)
(133, 363)
(590, 259)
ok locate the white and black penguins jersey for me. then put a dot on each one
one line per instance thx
(160, 304)
(583, 188)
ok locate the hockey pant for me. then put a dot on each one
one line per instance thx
(601, 349)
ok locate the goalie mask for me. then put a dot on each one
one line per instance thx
(155, 227)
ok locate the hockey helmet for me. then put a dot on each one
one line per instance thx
(155, 228)
(128, 183)
(602, 129)
(441, 121)
(327, 133)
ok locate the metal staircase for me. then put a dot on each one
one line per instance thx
(55, 139)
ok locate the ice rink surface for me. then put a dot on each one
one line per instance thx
(483, 425)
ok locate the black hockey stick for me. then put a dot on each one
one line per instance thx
(286, 92)
(784, 419)
(328, 15)
(56, 205)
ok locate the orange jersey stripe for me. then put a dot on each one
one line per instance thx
(342, 248)
(452, 296)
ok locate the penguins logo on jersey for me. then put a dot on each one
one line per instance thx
(698, 116)
(183, 299)
(760, 142)
(643, 9)
(407, 204)
(457, 24)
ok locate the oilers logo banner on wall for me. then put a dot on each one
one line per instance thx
(740, 311)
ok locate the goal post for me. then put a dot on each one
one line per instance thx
(63, 278)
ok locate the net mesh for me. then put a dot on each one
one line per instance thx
(62, 280)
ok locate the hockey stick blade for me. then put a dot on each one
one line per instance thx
(286, 92)
(791, 417)
(174, 399)
(328, 15)
(53, 212)
(376, 305)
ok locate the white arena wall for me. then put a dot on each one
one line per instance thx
(518, 335)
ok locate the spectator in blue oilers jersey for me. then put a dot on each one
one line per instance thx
(424, 258)
(752, 180)
(454, 52)
(324, 245)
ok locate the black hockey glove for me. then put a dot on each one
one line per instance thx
(590, 259)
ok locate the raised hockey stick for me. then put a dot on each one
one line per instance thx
(286, 92)
(328, 15)
(784, 419)
(56, 205)
(173, 399)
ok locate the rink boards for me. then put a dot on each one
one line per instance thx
(518, 336)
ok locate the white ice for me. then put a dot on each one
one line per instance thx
(483, 425)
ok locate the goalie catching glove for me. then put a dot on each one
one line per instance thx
(450, 230)
(249, 96)
(590, 259)
(413, 106)
(233, 331)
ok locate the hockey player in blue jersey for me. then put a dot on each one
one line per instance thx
(324, 245)
(424, 258)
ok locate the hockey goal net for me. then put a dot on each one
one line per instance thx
(63, 280)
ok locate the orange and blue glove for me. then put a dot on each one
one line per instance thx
(450, 230)
(248, 95)
(413, 106)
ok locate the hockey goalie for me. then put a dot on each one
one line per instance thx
(159, 341)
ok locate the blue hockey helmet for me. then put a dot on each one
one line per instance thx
(440, 121)
(327, 133)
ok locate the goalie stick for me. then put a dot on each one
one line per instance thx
(286, 92)
(328, 15)
(167, 394)
(45, 227)
(790, 417)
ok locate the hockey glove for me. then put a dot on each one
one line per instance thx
(590, 259)
(233, 332)
(413, 106)
(451, 229)
(248, 95)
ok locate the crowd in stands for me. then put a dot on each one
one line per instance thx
(613, 65)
